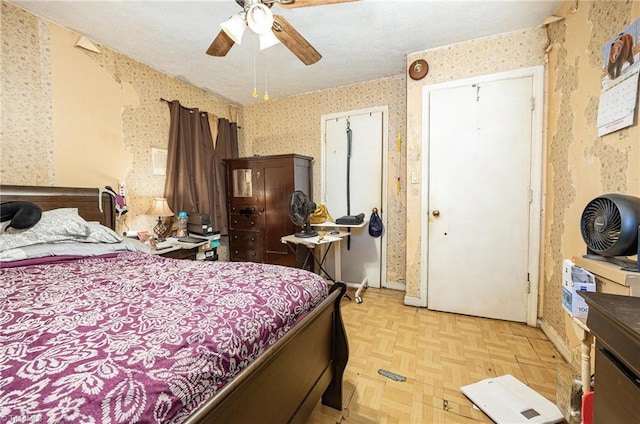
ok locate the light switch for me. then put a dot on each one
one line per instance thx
(414, 178)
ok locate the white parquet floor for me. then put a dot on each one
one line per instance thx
(437, 353)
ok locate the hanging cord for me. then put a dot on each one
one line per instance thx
(254, 93)
(349, 179)
(348, 167)
(266, 79)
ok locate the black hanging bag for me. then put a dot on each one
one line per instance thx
(375, 224)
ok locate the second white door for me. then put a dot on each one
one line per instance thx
(479, 179)
(362, 255)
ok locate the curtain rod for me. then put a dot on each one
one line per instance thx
(162, 99)
(170, 101)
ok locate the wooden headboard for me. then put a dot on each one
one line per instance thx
(85, 199)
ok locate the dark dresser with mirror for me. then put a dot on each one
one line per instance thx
(614, 320)
(258, 194)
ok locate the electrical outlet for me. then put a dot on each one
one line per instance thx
(122, 189)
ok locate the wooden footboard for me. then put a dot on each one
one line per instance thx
(285, 383)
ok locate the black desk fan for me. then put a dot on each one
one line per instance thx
(610, 226)
(300, 208)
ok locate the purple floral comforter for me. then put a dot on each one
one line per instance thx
(136, 337)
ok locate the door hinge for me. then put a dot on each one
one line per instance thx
(533, 103)
(528, 283)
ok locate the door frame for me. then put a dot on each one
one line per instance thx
(536, 187)
(385, 157)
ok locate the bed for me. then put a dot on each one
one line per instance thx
(79, 350)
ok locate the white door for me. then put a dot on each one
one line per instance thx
(480, 139)
(362, 255)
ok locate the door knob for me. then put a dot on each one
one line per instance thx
(435, 213)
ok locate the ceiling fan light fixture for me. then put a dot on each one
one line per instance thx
(259, 18)
(267, 40)
(234, 28)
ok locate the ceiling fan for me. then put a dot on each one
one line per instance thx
(270, 28)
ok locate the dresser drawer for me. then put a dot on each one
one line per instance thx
(244, 222)
(243, 209)
(245, 245)
(617, 390)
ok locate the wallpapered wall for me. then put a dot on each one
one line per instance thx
(581, 165)
(72, 117)
(293, 125)
(520, 49)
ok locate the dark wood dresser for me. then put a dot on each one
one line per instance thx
(258, 193)
(614, 320)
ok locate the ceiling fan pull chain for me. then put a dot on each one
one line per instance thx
(348, 168)
(255, 73)
(266, 77)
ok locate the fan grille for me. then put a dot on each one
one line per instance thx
(601, 224)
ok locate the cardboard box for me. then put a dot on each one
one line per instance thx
(576, 279)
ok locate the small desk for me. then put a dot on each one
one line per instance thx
(330, 224)
(329, 239)
(610, 279)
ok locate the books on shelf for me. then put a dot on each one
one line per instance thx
(196, 240)
(213, 239)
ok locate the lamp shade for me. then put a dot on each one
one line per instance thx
(234, 27)
(267, 40)
(160, 207)
(259, 18)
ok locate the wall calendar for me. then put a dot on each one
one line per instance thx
(620, 69)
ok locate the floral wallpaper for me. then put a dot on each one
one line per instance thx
(73, 117)
(26, 122)
(581, 165)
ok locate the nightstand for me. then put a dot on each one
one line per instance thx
(178, 252)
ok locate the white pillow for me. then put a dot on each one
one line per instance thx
(55, 225)
(99, 234)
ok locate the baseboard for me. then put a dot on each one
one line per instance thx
(394, 285)
(556, 340)
(414, 301)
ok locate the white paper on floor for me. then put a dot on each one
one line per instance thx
(506, 400)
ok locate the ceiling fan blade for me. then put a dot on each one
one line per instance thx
(294, 41)
(221, 45)
(307, 3)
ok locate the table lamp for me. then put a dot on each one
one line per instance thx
(160, 208)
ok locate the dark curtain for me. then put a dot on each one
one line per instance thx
(226, 148)
(189, 185)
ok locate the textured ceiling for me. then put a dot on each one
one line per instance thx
(358, 41)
